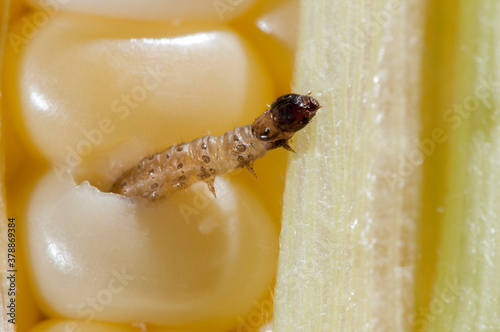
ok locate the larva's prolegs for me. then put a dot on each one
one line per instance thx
(210, 184)
(288, 147)
(207, 157)
(249, 167)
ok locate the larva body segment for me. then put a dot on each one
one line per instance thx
(207, 157)
(182, 165)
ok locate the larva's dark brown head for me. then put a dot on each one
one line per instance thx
(293, 112)
(288, 114)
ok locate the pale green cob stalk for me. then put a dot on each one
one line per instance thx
(348, 243)
(467, 294)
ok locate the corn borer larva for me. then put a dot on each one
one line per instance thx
(203, 159)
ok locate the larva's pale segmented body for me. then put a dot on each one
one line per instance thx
(207, 157)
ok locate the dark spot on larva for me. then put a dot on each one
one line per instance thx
(235, 138)
(267, 131)
(203, 173)
(139, 166)
(212, 170)
(241, 159)
(154, 185)
(252, 144)
(241, 148)
(153, 196)
(168, 155)
(182, 178)
(180, 165)
(179, 149)
(182, 172)
(250, 156)
(204, 176)
(203, 146)
(151, 171)
(206, 159)
(124, 184)
(151, 157)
